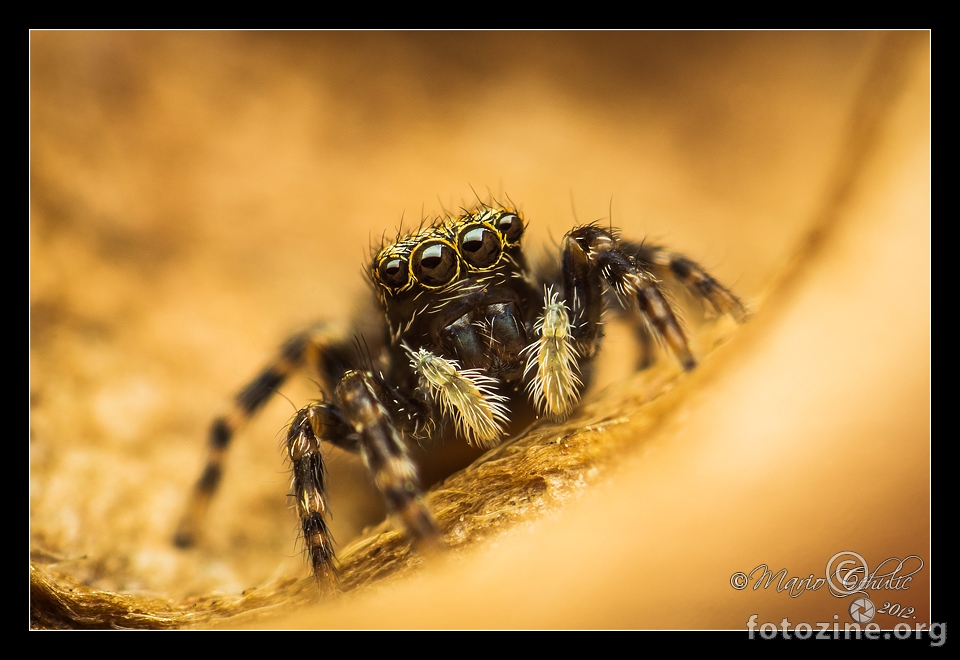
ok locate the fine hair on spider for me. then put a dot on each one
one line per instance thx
(467, 338)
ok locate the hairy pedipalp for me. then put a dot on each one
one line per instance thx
(466, 395)
(555, 388)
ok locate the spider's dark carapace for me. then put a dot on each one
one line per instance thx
(470, 336)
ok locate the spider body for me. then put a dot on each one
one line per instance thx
(470, 337)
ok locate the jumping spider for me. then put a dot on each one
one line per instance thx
(470, 336)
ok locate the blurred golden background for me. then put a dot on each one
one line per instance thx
(196, 197)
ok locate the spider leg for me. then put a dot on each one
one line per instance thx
(311, 424)
(666, 264)
(319, 347)
(361, 422)
(669, 266)
(363, 402)
(591, 254)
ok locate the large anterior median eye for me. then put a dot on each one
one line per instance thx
(480, 246)
(393, 272)
(435, 263)
(511, 226)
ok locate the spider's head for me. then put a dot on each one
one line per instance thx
(459, 288)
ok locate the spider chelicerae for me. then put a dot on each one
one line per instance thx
(470, 336)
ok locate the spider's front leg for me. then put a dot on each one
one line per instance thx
(365, 401)
(701, 285)
(311, 424)
(360, 421)
(591, 254)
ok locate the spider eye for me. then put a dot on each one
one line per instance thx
(511, 226)
(480, 246)
(435, 263)
(393, 272)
